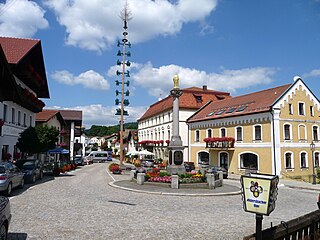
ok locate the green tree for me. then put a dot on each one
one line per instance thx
(28, 142)
(39, 139)
(48, 136)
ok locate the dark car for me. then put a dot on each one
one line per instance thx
(32, 169)
(5, 217)
(189, 166)
(78, 161)
(215, 169)
(10, 177)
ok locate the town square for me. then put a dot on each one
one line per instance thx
(159, 119)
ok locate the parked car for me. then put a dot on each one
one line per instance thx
(5, 217)
(78, 160)
(109, 158)
(189, 166)
(88, 160)
(32, 169)
(215, 169)
(10, 177)
(148, 163)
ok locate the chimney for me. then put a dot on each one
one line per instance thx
(204, 88)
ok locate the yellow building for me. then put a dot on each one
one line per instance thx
(269, 131)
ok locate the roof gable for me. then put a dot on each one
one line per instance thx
(16, 48)
(25, 58)
(47, 114)
(291, 92)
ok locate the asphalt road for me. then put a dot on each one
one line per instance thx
(81, 205)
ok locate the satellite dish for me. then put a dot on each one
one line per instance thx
(295, 78)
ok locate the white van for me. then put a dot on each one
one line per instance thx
(99, 156)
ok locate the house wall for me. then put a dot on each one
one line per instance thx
(13, 127)
(271, 150)
(159, 127)
(262, 148)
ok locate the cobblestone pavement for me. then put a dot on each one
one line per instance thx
(81, 205)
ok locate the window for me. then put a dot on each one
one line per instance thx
(239, 133)
(13, 115)
(219, 112)
(290, 109)
(303, 160)
(288, 161)
(316, 159)
(241, 109)
(197, 136)
(30, 121)
(210, 114)
(231, 110)
(301, 109)
(198, 98)
(24, 119)
(315, 133)
(287, 132)
(169, 134)
(222, 132)
(203, 158)
(209, 133)
(257, 132)
(5, 150)
(19, 118)
(249, 161)
(311, 111)
(5, 112)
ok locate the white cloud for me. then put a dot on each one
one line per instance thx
(313, 73)
(21, 18)
(89, 79)
(95, 25)
(158, 81)
(104, 115)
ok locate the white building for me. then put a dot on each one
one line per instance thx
(24, 83)
(155, 126)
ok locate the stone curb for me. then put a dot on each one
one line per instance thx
(112, 184)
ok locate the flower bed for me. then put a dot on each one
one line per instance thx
(115, 168)
(164, 177)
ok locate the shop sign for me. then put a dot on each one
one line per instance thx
(259, 192)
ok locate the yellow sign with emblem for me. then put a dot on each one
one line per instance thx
(259, 193)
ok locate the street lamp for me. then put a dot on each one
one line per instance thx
(312, 147)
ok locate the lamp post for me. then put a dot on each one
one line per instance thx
(312, 147)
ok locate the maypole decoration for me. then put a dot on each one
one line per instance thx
(125, 16)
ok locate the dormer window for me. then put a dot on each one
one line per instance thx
(198, 98)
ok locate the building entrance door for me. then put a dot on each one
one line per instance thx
(224, 160)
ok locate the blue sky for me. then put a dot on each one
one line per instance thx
(228, 45)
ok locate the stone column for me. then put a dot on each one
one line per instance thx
(176, 147)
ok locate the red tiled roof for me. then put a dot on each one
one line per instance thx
(45, 115)
(252, 103)
(71, 114)
(188, 100)
(16, 48)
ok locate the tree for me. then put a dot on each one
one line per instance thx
(48, 136)
(28, 142)
(39, 139)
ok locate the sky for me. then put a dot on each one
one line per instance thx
(229, 45)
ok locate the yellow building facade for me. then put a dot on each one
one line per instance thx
(270, 132)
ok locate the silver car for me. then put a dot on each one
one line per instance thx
(10, 177)
(5, 217)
